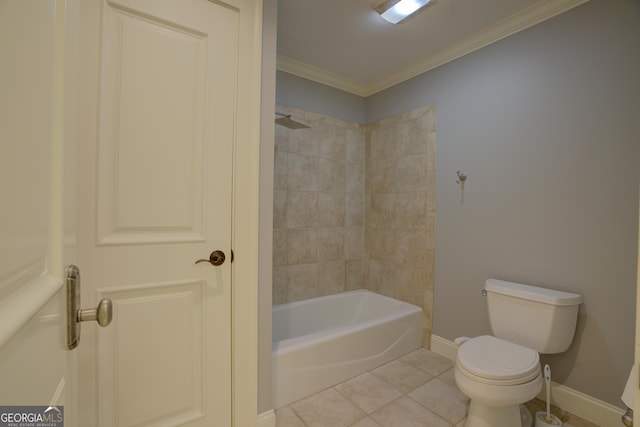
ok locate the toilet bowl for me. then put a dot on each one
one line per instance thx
(499, 372)
(497, 376)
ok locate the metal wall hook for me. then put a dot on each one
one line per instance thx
(462, 178)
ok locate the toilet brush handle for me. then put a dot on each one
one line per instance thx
(547, 378)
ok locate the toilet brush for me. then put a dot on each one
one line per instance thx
(546, 419)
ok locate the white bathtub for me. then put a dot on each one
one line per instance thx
(323, 341)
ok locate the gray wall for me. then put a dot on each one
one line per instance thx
(315, 97)
(546, 124)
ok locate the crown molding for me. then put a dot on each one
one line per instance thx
(318, 75)
(535, 14)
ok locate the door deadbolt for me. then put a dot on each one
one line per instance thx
(102, 314)
(216, 258)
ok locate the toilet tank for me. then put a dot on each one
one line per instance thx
(538, 318)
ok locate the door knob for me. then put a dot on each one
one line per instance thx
(102, 314)
(216, 258)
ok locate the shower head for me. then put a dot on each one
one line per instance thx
(286, 121)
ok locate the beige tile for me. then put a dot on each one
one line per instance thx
(354, 209)
(380, 277)
(327, 409)
(331, 244)
(431, 191)
(302, 246)
(412, 173)
(285, 417)
(411, 248)
(431, 151)
(280, 171)
(427, 361)
(331, 175)
(355, 145)
(302, 173)
(354, 274)
(301, 282)
(279, 247)
(411, 137)
(330, 209)
(426, 337)
(411, 210)
(382, 210)
(301, 209)
(354, 243)
(281, 139)
(441, 398)
(381, 243)
(381, 142)
(332, 141)
(381, 176)
(448, 377)
(354, 177)
(406, 412)
(368, 392)
(411, 284)
(366, 422)
(303, 141)
(330, 277)
(279, 209)
(401, 376)
(279, 285)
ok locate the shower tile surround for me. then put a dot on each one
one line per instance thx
(354, 207)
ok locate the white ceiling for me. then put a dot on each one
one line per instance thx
(346, 44)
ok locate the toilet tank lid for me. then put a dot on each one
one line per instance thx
(534, 293)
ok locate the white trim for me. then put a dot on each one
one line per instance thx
(246, 216)
(568, 399)
(267, 419)
(538, 12)
(444, 347)
(318, 75)
(17, 308)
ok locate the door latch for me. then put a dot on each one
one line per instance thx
(102, 314)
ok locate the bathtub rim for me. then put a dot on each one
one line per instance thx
(403, 309)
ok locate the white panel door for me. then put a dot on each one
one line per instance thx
(159, 89)
(35, 368)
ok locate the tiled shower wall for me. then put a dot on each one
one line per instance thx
(400, 209)
(343, 223)
(318, 207)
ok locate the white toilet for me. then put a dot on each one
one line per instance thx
(500, 372)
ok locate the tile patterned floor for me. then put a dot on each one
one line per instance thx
(415, 390)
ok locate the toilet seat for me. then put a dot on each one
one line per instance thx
(491, 360)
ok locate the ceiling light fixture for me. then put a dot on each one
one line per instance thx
(395, 11)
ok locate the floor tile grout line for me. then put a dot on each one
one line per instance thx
(402, 394)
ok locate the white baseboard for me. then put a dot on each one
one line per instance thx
(565, 398)
(267, 419)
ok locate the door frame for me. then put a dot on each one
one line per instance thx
(245, 233)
